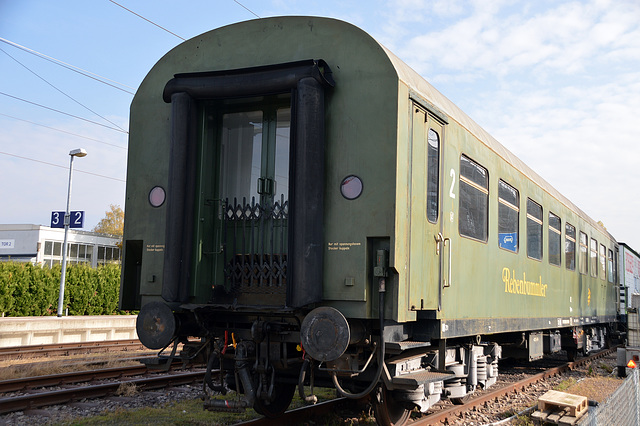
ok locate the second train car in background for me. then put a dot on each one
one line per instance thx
(304, 208)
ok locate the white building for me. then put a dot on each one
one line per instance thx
(629, 273)
(42, 245)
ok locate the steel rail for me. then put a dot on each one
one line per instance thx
(450, 414)
(25, 383)
(33, 351)
(63, 396)
(303, 414)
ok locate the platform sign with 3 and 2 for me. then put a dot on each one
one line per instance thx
(76, 219)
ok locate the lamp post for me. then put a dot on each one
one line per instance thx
(73, 153)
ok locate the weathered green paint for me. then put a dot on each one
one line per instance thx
(371, 131)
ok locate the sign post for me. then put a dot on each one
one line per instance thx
(66, 223)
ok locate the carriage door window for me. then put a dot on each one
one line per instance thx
(433, 172)
(281, 167)
(255, 156)
(241, 155)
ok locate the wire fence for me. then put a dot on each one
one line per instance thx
(622, 408)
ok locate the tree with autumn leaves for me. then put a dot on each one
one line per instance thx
(112, 223)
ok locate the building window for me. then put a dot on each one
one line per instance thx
(593, 265)
(474, 200)
(433, 173)
(584, 254)
(508, 216)
(79, 253)
(570, 247)
(534, 229)
(555, 239)
(108, 255)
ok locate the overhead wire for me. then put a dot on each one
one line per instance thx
(149, 21)
(62, 112)
(251, 11)
(86, 74)
(73, 68)
(60, 91)
(64, 131)
(62, 167)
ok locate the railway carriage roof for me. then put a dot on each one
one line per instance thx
(404, 73)
(416, 82)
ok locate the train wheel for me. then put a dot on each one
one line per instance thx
(388, 412)
(284, 394)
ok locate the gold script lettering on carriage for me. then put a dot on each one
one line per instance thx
(522, 286)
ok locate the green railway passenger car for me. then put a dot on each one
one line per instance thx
(299, 199)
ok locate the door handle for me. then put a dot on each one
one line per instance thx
(441, 239)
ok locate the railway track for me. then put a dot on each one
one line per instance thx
(450, 414)
(83, 390)
(58, 349)
(444, 416)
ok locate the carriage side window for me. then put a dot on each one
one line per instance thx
(534, 229)
(508, 214)
(603, 262)
(584, 254)
(593, 264)
(474, 200)
(610, 275)
(433, 173)
(555, 239)
(570, 247)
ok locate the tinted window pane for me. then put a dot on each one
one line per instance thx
(241, 154)
(593, 264)
(534, 230)
(584, 254)
(555, 237)
(508, 214)
(474, 200)
(433, 173)
(283, 131)
(610, 267)
(603, 262)
(570, 247)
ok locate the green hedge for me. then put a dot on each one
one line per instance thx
(28, 290)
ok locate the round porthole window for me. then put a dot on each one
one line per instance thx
(351, 187)
(157, 196)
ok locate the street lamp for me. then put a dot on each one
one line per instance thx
(80, 152)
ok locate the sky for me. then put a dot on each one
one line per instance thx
(556, 82)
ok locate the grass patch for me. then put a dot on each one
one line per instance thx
(606, 367)
(192, 413)
(522, 420)
(565, 384)
(185, 413)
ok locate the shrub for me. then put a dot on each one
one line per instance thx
(28, 290)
